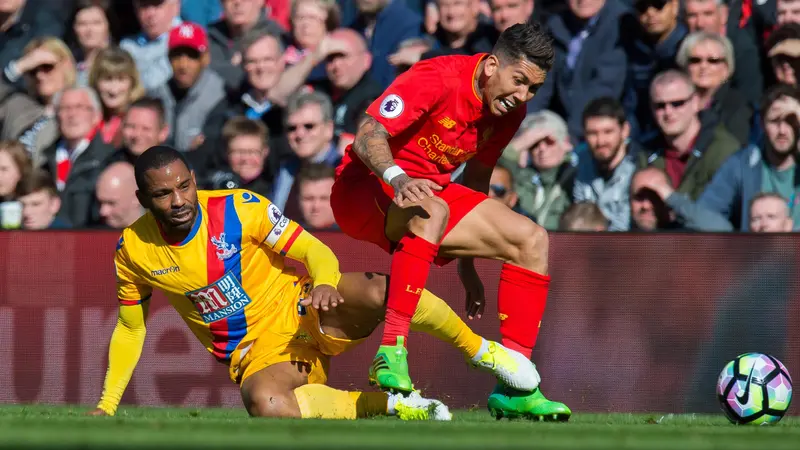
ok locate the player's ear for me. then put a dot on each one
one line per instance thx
(139, 196)
(491, 66)
(194, 178)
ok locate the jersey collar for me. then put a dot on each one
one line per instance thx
(197, 221)
(469, 90)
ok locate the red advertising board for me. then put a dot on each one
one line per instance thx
(634, 322)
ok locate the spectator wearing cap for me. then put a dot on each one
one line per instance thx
(544, 167)
(590, 60)
(149, 48)
(651, 42)
(711, 16)
(349, 84)
(194, 89)
(40, 203)
(247, 166)
(689, 153)
(226, 36)
(783, 51)
(605, 177)
(708, 59)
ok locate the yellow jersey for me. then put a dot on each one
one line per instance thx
(223, 277)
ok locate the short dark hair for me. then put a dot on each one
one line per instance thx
(605, 107)
(784, 32)
(528, 41)
(153, 104)
(39, 180)
(315, 172)
(773, 94)
(155, 158)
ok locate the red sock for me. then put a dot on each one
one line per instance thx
(411, 263)
(520, 301)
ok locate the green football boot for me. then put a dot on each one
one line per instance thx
(389, 369)
(512, 404)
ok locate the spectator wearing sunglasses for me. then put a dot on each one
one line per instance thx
(651, 42)
(689, 153)
(709, 61)
(310, 131)
(501, 188)
(716, 17)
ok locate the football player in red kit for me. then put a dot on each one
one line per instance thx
(394, 189)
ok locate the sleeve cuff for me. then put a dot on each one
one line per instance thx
(133, 302)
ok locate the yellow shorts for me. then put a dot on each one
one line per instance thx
(289, 336)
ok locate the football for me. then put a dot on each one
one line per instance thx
(754, 388)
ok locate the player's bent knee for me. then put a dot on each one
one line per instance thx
(268, 403)
(431, 222)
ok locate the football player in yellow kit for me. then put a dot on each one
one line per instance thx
(219, 256)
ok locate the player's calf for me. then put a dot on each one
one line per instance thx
(526, 244)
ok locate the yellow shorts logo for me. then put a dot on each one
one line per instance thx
(502, 316)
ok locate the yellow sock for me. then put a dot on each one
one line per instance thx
(435, 317)
(318, 401)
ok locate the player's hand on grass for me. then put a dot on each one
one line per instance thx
(476, 297)
(323, 297)
(412, 190)
(97, 412)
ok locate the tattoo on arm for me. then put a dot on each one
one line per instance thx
(372, 146)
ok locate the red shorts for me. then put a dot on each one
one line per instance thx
(360, 204)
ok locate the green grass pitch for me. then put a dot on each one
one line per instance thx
(170, 428)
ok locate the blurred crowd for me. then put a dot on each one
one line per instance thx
(658, 114)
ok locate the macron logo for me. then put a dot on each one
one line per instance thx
(165, 271)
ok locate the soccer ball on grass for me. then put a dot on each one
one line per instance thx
(754, 389)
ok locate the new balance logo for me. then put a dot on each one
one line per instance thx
(447, 122)
(502, 316)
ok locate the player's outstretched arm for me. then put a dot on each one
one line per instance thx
(123, 355)
(322, 266)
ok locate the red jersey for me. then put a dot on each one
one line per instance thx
(436, 120)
